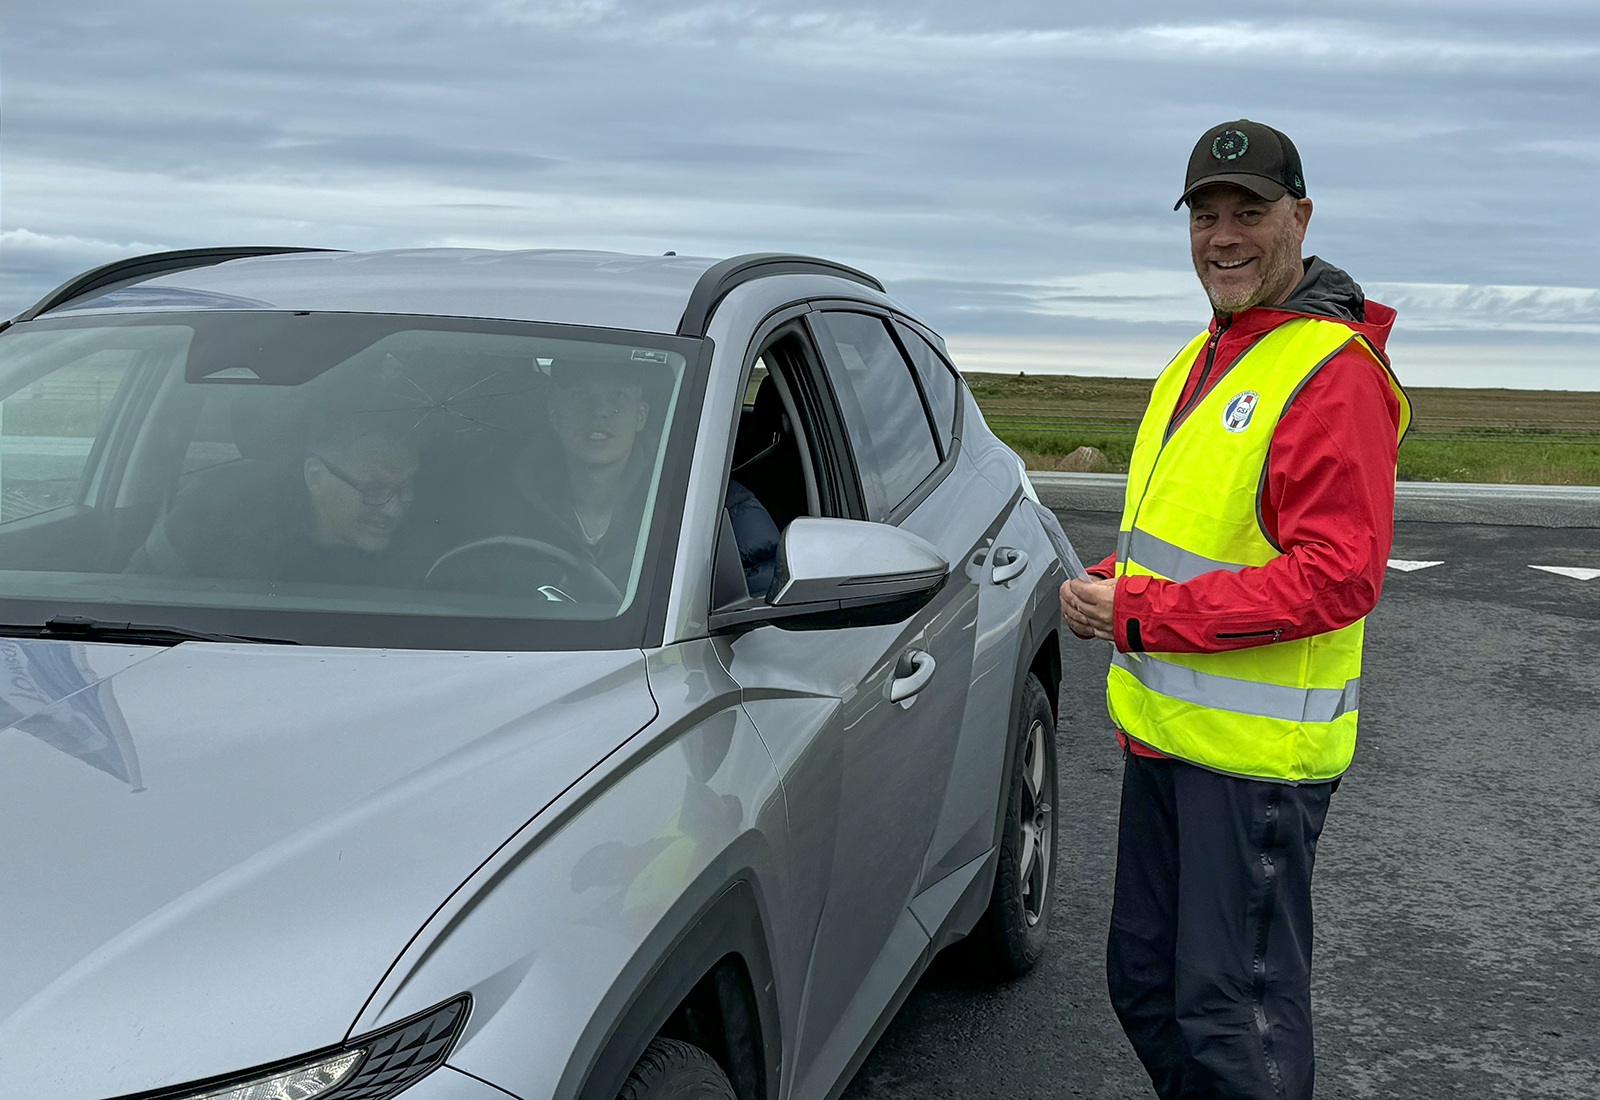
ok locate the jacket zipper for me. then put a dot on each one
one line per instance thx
(1200, 383)
(1255, 634)
(1199, 391)
(1177, 417)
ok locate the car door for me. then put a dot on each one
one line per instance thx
(863, 773)
(953, 508)
(986, 526)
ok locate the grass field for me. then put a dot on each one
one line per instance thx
(1527, 437)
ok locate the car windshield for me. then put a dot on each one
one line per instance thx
(344, 479)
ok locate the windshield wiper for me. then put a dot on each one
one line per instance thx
(81, 629)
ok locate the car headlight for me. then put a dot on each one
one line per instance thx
(298, 1083)
(369, 1068)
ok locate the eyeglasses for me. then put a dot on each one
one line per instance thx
(371, 497)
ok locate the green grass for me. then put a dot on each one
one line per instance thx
(1044, 450)
(1494, 461)
(1500, 461)
(62, 418)
(1528, 437)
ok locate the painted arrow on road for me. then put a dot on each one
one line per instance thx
(1576, 572)
(1411, 566)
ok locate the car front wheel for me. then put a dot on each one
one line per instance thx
(1010, 936)
(670, 1069)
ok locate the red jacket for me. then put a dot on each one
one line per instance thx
(1328, 501)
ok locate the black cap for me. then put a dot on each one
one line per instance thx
(1249, 155)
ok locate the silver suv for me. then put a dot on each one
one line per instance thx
(454, 673)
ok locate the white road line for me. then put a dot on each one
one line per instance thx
(1576, 572)
(1411, 566)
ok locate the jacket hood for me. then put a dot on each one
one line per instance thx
(1323, 291)
(213, 853)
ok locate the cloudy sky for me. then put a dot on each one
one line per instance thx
(1008, 167)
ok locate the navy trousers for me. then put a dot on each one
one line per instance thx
(1209, 957)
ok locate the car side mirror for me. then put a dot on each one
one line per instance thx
(840, 571)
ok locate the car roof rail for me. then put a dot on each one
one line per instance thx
(722, 277)
(136, 269)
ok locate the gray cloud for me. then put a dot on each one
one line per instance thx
(1007, 167)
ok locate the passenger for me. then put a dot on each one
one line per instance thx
(328, 518)
(360, 485)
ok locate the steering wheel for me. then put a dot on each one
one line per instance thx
(585, 578)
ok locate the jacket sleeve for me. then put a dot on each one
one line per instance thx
(756, 535)
(1328, 502)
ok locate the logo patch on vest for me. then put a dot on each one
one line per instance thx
(1236, 417)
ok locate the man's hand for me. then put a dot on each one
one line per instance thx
(1086, 605)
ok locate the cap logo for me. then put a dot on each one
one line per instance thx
(1230, 145)
(1241, 407)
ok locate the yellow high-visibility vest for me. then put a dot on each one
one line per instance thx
(1282, 711)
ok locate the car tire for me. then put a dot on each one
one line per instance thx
(1010, 936)
(670, 1069)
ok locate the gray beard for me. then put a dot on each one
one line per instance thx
(1276, 267)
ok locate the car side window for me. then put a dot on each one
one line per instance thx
(789, 460)
(883, 411)
(47, 430)
(938, 382)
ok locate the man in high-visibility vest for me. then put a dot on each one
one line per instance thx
(1253, 542)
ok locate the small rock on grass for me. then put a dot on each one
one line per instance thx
(1085, 460)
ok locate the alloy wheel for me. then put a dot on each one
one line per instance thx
(1034, 809)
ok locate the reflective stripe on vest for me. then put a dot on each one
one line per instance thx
(1207, 689)
(1284, 711)
(1167, 559)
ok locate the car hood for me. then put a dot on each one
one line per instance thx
(212, 853)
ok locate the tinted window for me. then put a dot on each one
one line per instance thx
(337, 471)
(47, 428)
(883, 411)
(938, 383)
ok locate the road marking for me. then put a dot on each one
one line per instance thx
(1576, 572)
(1411, 566)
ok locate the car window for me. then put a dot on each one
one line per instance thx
(938, 382)
(882, 409)
(345, 465)
(759, 373)
(47, 429)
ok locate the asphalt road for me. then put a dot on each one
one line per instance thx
(1457, 887)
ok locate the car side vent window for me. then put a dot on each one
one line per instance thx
(938, 382)
(882, 409)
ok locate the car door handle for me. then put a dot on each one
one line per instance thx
(911, 674)
(1009, 564)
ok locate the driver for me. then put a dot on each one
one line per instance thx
(595, 493)
(578, 489)
(599, 413)
(587, 495)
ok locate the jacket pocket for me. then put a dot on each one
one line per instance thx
(1273, 634)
